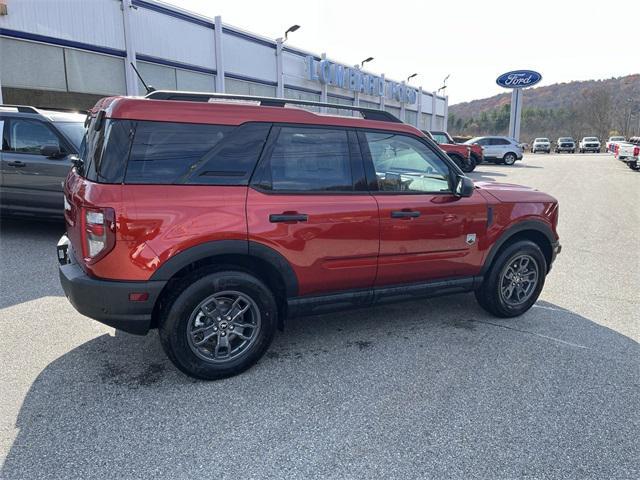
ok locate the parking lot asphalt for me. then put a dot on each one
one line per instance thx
(426, 389)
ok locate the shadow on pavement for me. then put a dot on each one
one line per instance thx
(420, 389)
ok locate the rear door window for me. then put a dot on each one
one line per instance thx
(309, 160)
(183, 153)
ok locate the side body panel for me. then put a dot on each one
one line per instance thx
(335, 249)
(155, 222)
(443, 241)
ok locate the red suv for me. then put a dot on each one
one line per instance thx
(214, 220)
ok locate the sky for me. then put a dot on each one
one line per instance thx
(473, 41)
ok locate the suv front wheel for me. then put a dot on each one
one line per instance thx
(510, 158)
(218, 325)
(514, 281)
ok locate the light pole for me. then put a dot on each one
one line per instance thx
(411, 76)
(279, 68)
(444, 84)
(365, 61)
(291, 29)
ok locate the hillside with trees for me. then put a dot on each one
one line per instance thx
(577, 109)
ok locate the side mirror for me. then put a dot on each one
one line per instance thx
(464, 187)
(51, 151)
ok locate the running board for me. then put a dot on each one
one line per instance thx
(317, 304)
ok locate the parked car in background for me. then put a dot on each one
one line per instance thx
(541, 145)
(213, 221)
(499, 149)
(477, 154)
(565, 144)
(628, 153)
(609, 146)
(460, 154)
(37, 146)
(589, 144)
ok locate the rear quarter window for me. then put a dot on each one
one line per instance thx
(182, 153)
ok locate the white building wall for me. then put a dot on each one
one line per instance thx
(173, 49)
(94, 22)
(250, 59)
(159, 35)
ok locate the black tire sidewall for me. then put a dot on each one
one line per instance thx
(491, 286)
(173, 327)
(509, 155)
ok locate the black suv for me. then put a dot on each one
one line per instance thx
(35, 158)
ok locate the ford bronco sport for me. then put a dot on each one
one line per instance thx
(214, 220)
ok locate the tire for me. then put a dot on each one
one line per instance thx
(509, 158)
(205, 307)
(491, 294)
(468, 165)
(573, 151)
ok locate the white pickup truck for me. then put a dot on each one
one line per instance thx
(589, 144)
(629, 154)
(609, 146)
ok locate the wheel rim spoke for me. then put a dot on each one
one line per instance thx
(519, 280)
(223, 343)
(223, 326)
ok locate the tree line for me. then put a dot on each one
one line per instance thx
(598, 113)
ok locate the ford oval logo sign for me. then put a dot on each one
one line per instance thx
(519, 79)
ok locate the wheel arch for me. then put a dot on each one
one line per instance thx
(253, 258)
(536, 231)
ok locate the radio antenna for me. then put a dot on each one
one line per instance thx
(148, 88)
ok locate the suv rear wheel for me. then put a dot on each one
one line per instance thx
(514, 281)
(219, 325)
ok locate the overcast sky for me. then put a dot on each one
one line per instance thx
(473, 40)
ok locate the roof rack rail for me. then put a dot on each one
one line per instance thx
(367, 113)
(22, 108)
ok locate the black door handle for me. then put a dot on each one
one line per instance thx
(404, 214)
(17, 163)
(288, 217)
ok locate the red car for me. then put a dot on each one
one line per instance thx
(213, 221)
(475, 151)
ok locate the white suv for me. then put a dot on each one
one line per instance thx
(541, 145)
(499, 149)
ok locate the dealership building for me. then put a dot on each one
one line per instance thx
(67, 54)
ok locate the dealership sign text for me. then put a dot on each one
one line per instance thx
(519, 79)
(329, 73)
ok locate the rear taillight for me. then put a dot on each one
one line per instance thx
(636, 151)
(98, 233)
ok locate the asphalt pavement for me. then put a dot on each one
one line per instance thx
(427, 389)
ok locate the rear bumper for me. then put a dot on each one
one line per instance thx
(108, 301)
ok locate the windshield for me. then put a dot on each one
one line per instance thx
(542, 140)
(590, 139)
(617, 139)
(74, 131)
(439, 137)
(565, 139)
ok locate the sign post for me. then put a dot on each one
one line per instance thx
(517, 80)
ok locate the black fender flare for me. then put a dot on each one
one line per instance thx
(230, 247)
(525, 225)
